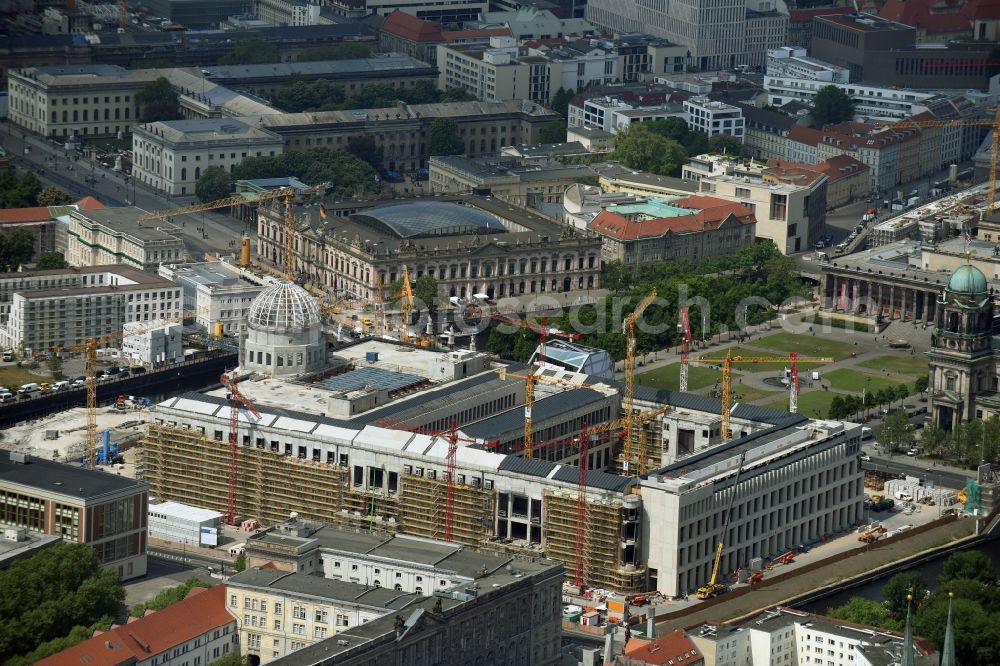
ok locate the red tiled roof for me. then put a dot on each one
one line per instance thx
(674, 648)
(89, 203)
(202, 611)
(410, 27)
(803, 134)
(982, 10)
(36, 214)
(707, 213)
(931, 16)
(452, 36)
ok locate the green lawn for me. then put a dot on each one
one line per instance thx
(750, 393)
(12, 377)
(845, 379)
(805, 345)
(814, 404)
(767, 368)
(915, 366)
(669, 377)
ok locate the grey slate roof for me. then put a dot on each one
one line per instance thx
(55, 477)
(519, 465)
(545, 408)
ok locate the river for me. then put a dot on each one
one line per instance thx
(873, 589)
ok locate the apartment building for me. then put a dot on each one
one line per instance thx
(104, 511)
(712, 117)
(611, 114)
(171, 155)
(847, 178)
(788, 203)
(693, 227)
(40, 310)
(892, 154)
(194, 631)
(117, 236)
(505, 71)
(216, 292)
(323, 583)
(765, 132)
(718, 34)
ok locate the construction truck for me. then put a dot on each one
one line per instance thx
(714, 586)
(872, 535)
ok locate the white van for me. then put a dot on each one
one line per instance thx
(60, 386)
(28, 388)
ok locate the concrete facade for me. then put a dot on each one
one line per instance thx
(216, 292)
(62, 308)
(116, 236)
(104, 511)
(712, 117)
(153, 343)
(170, 156)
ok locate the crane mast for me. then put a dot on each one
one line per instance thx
(714, 587)
(685, 326)
(236, 398)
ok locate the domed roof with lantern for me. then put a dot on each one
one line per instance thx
(283, 306)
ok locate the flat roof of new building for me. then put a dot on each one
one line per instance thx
(864, 22)
(186, 512)
(388, 62)
(63, 479)
(126, 221)
(213, 274)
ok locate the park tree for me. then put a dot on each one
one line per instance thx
(920, 386)
(934, 440)
(365, 149)
(341, 51)
(240, 563)
(347, 175)
(865, 611)
(425, 290)
(838, 408)
(16, 248)
(726, 144)
(895, 591)
(53, 196)
(444, 138)
(19, 191)
(214, 183)
(970, 564)
(639, 148)
(553, 131)
(157, 100)
(48, 261)
(895, 431)
(251, 52)
(561, 100)
(45, 596)
(614, 276)
(832, 105)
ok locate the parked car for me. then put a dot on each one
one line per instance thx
(8, 356)
(138, 370)
(865, 457)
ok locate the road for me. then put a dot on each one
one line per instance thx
(81, 177)
(948, 479)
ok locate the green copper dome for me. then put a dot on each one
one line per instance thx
(967, 279)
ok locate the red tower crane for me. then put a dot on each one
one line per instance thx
(236, 397)
(449, 505)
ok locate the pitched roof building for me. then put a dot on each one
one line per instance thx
(199, 626)
(674, 648)
(670, 228)
(405, 33)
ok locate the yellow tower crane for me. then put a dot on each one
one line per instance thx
(994, 125)
(629, 454)
(792, 360)
(405, 306)
(288, 195)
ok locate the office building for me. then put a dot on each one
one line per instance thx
(40, 310)
(117, 236)
(611, 114)
(171, 155)
(875, 102)
(104, 511)
(288, 12)
(879, 50)
(526, 183)
(309, 586)
(196, 14)
(444, 11)
(789, 203)
(793, 63)
(153, 343)
(719, 34)
(47, 224)
(712, 117)
(217, 293)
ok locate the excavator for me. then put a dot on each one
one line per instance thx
(714, 586)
